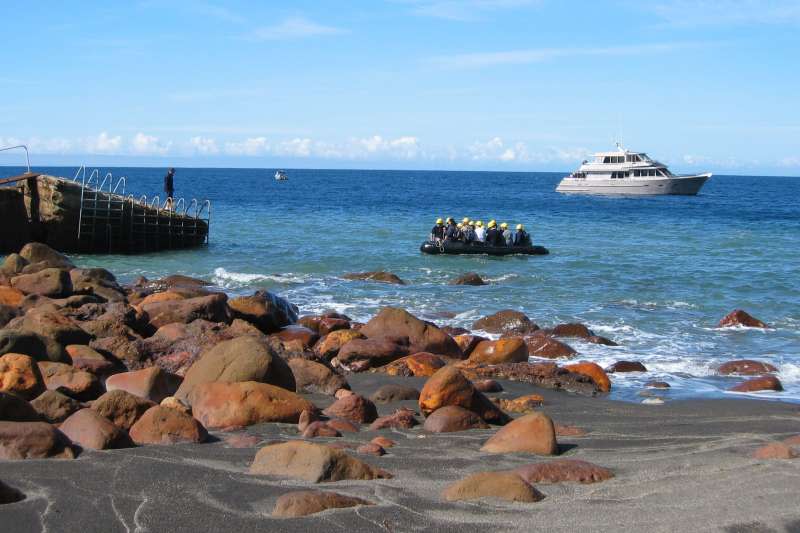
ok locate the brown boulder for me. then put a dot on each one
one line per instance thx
(20, 374)
(226, 405)
(597, 339)
(151, 383)
(421, 364)
(542, 345)
(593, 371)
(522, 404)
(78, 384)
(10, 296)
(571, 330)
(487, 385)
(178, 281)
(13, 264)
(50, 282)
(468, 342)
(131, 352)
(561, 470)
(162, 425)
(383, 277)
(745, 367)
(394, 393)
(401, 419)
(503, 321)
(508, 350)
(355, 408)
(343, 426)
(93, 431)
(626, 366)
(122, 408)
(306, 502)
(9, 494)
(313, 377)
(14, 408)
(471, 278)
(758, 384)
(303, 336)
(383, 442)
(492, 485)
(29, 343)
(265, 310)
(213, 308)
(451, 418)
(37, 252)
(329, 325)
(311, 462)
(738, 317)
(328, 346)
(319, 429)
(96, 281)
(370, 448)
(88, 359)
(33, 440)
(362, 354)
(533, 433)
(240, 359)
(775, 450)
(422, 336)
(448, 386)
(54, 326)
(54, 407)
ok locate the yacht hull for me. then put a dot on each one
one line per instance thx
(678, 185)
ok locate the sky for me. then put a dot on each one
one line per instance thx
(529, 85)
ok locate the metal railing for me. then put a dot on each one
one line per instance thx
(27, 155)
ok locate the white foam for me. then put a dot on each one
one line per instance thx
(223, 277)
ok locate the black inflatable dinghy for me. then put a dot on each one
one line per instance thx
(477, 248)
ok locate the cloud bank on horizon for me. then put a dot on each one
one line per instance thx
(461, 84)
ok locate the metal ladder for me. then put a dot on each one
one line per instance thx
(102, 211)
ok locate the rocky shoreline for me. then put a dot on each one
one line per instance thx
(406, 424)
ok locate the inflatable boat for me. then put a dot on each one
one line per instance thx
(477, 248)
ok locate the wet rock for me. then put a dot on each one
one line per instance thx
(213, 308)
(758, 384)
(533, 433)
(775, 450)
(75, 383)
(503, 321)
(487, 385)
(355, 408)
(383, 442)
(738, 317)
(394, 393)
(313, 377)
(468, 342)
(151, 383)
(383, 277)
(571, 330)
(9, 494)
(593, 371)
(311, 462)
(306, 418)
(448, 386)
(371, 448)
(301, 336)
(492, 485)
(178, 281)
(657, 385)
(319, 429)
(162, 425)
(88, 359)
(54, 326)
(122, 408)
(93, 431)
(420, 365)
(626, 366)
(454, 331)
(14, 408)
(329, 325)
(50, 282)
(343, 426)
(33, 440)
(422, 336)
(240, 359)
(54, 407)
(522, 404)
(265, 310)
(451, 418)
(564, 470)
(11, 297)
(745, 367)
(362, 354)
(547, 375)
(542, 345)
(36, 252)
(226, 405)
(328, 346)
(19, 374)
(306, 502)
(471, 278)
(401, 419)
(508, 350)
(597, 339)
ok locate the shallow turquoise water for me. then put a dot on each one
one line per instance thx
(654, 274)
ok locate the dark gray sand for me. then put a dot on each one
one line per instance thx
(681, 466)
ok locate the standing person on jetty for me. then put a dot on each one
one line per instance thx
(169, 186)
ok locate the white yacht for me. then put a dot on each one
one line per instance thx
(280, 175)
(629, 173)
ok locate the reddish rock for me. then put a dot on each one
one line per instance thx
(569, 431)
(342, 393)
(503, 321)
(213, 308)
(14, 408)
(383, 277)
(78, 384)
(313, 377)
(85, 358)
(394, 393)
(302, 335)
(362, 354)
(542, 345)
(328, 346)
(33, 440)
(179, 281)
(571, 330)
(54, 407)
(306, 418)
(311, 462)
(401, 419)
(758, 384)
(319, 429)
(563, 470)
(507, 350)
(657, 385)
(158, 297)
(448, 386)
(738, 317)
(267, 311)
(451, 418)
(37, 252)
(122, 408)
(225, 405)
(422, 336)
(20, 375)
(121, 348)
(151, 383)
(355, 408)
(162, 425)
(383, 442)
(626, 366)
(54, 326)
(487, 385)
(306, 502)
(454, 331)
(468, 342)
(329, 325)
(343, 426)
(793, 441)
(93, 431)
(533, 433)
(51, 282)
(32, 344)
(593, 371)
(98, 282)
(371, 448)
(471, 278)
(492, 485)
(10, 296)
(419, 365)
(548, 375)
(775, 450)
(522, 404)
(746, 367)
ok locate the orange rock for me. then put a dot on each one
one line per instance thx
(523, 404)
(758, 384)
(533, 433)
(383, 442)
(496, 485)
(593, 371)
(738, 317)
(10, 297)
(448, 386)
(507, 350)
(468, 342)
(328, 346)
(20, 374)
(222, 405)
(424, 364)
(166, 296)
(775, 450)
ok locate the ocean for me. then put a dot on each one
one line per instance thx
(653, 274)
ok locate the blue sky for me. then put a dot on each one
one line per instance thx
(472, 84)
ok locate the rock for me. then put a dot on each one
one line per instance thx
(54, 407)
(176, 347)
(341, 393)
(13, 264)
(33, 440)
(571, 330)
(328, 346)
(597, 339)
(319, 429)
(213, 308)
(394, 393)
(9, 494)
(50, 282)
(329, 325)
(362, 354)
(54, 326)
(738, 317)
(7, 314)
(179, 281)
(121, 407)
(508, 350)
(493, 485)
(303, 336)
(32, 344)
(792, 441)
(758, 384)
(242, 441)
(311, 462)
(547, 375)
(117, 319)
(162, 425)
(384, 277)
(626, 366)
(562, 470)
(653, 401)
(451, 418)
(522, 404)
(240, 359)
(93, 431)
(593, 371)
(342, 426)
(533, 433)
(503, 321)
(657, 385)
(569, 431)
(383, 442)
(129, 351)
(173, 403)
(306, 502)
(468, 342)
(97, 281)
(312, 377)
(355, 408)
(487, 385)
(401, 419)
(90, 360)
(470, 278)
(448, 386)
(226, 405)
(151, 383)
(14, 408)
(20, 375)
(306, 418)
(745, 367)
(265, 310)
(75, 383)
(10, 296)
(775, 450)
(371, 448)
(36, 252)
(454, 331)
(541, 345)
(420, 365)
(422, 336)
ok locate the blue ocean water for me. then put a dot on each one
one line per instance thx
(654, 274)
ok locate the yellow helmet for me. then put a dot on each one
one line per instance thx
(439, 221)
(520, 227)
(504, 225)
(492, 223)
(479, 224)
(465, 221)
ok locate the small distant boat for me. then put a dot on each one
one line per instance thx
(478, 248)
(280, 175)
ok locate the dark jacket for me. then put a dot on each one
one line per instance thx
(452, 234)
(521, 238)
(494, 237)
(169, 185)
(438, 232)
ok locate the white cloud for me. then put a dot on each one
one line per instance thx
(293, 28)
(496, 149)
(686, 13)
(203, 145)
(252, 147)
(295, 148)
(149, 145)
(103, 144)
(793, 161)
(464, 10)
